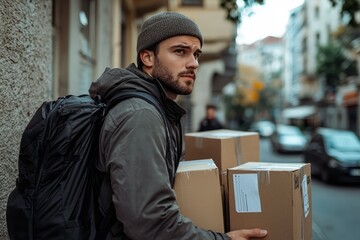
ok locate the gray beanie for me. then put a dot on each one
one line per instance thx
(163, 26)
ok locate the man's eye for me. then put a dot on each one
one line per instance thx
(197, 55)
(180, 51)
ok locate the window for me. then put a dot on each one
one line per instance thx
(87, 28)
(87, 59)
(317, 39)
(192, 2)
(317, 12)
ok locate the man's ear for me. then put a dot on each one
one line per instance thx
(147, 58)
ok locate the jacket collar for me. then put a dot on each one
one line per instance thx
(172, 109)
(131, 78)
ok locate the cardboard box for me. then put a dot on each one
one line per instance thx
(272, 196)
(199, 195)
(228, 148)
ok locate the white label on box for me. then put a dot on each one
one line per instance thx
(305, 196)
(246, 192)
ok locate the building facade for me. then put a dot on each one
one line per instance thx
(265, 57)
(312, 25)
(90, 35)
(305, 99)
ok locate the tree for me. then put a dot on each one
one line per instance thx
(349, 35)
(333, 65)
(236, 8)
(349, 8)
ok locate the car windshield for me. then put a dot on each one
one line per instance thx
(344, 142)
(265, 124)
(286, 130)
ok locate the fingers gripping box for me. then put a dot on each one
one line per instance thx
(272, 196)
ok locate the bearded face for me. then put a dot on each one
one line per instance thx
(173, 82)
(174, 63)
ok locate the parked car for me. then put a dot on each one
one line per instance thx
(288, 138)
(264, 127)
(334, 155)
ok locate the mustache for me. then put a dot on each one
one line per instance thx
(188, 72)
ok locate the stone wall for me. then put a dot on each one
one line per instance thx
(25, 80)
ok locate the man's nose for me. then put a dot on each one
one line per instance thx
(193, 62)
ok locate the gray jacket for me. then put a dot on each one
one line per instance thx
(142, 164)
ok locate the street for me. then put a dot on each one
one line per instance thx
(336, 208)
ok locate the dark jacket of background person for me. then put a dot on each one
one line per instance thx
(210, 122)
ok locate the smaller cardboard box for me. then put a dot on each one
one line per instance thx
(271, 196)
(199, 195)
(228, 148)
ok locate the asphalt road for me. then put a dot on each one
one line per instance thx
(336, 208)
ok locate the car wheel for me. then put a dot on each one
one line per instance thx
(325, 176)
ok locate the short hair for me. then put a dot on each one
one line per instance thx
(211, 106)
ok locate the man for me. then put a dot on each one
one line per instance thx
(210, 122)
(134, 149)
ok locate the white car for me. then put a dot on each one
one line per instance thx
(288, 138)
(264, 128)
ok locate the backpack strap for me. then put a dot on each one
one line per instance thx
(123, 95)
(109, 222)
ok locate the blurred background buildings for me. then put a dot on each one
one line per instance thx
(309, 77)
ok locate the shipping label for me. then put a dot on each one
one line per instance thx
(246, 192)
(305, 196)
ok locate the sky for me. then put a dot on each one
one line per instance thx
(269, 19)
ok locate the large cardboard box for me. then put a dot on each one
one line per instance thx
(272, 196)
(228, 148)
(199, 195)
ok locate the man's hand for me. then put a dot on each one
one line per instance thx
(246, 234)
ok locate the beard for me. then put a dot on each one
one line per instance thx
(170, 83)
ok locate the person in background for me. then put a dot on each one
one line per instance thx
(135, 151)
(210, 122)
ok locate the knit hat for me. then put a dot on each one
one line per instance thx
(163, 26)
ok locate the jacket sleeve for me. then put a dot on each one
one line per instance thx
(134, 151)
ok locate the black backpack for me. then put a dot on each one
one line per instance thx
(58, 185)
